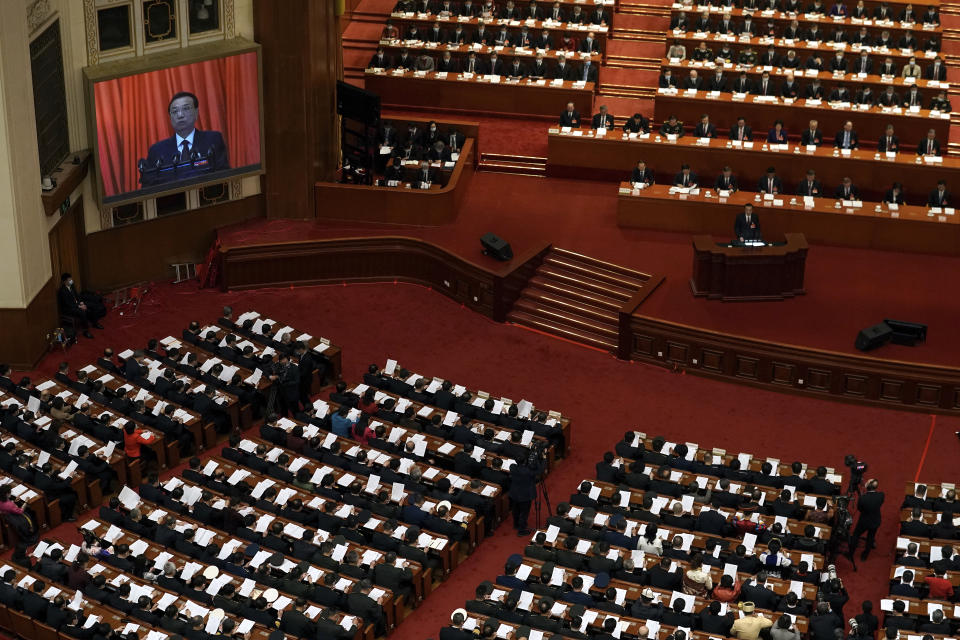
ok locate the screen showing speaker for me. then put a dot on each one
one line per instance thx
(180, 125)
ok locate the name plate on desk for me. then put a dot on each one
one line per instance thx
(811, 102)
(933, 159)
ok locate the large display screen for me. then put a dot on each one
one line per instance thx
(188, 124)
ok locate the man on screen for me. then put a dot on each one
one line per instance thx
(189, 151)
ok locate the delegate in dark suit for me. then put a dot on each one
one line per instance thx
(523, 489)
(869, 506)
(208, 144)
(747, 229)
(206, 147)
(570, 119)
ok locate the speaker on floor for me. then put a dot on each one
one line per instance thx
(496, 247)
(907, 333)
(873, 337)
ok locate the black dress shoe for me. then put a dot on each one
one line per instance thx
(97, 325)
(87, 334)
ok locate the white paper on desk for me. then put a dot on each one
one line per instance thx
(446, 448)
(128, 498)
(797, 587)
(556, 578)
(552, 532)
(245, 627)
(138, 548)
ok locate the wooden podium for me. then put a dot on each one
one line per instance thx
(734, 273)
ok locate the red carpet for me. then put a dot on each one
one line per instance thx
(603, 396)
(848, 289)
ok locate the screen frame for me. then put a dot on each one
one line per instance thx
(158, 62)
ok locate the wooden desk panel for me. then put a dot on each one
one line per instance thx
(398, 205)
(912, 230)
(736, 274)
(472, 95)
(614, 157)
(869, 124)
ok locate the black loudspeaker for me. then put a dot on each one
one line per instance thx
(496, 247)
(907, 333)
(873, 337)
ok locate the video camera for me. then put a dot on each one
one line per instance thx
(857, 469)
(538, 454)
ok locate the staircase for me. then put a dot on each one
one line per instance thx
(631, 67)
(577, 297)
(517, 165)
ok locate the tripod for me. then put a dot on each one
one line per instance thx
(542, 497)
(853, 487)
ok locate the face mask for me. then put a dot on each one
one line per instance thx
(70, 283)
(433, 128)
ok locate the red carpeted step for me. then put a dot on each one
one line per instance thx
(594, 272)
(377, 6)
(634, 22)
(607, 269)
(570, 305)
(620, 77)
(633, 49)
(356, 59)
(575, 293)
(565, 277)
(558, 329)
(359, 31)
(566, 318)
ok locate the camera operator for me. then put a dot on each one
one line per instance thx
(840, 531)
(523, 489)
(868, 521)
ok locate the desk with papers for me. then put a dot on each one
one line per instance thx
(761, 112)
(824, 220)
(614, 154)
(433, 89)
